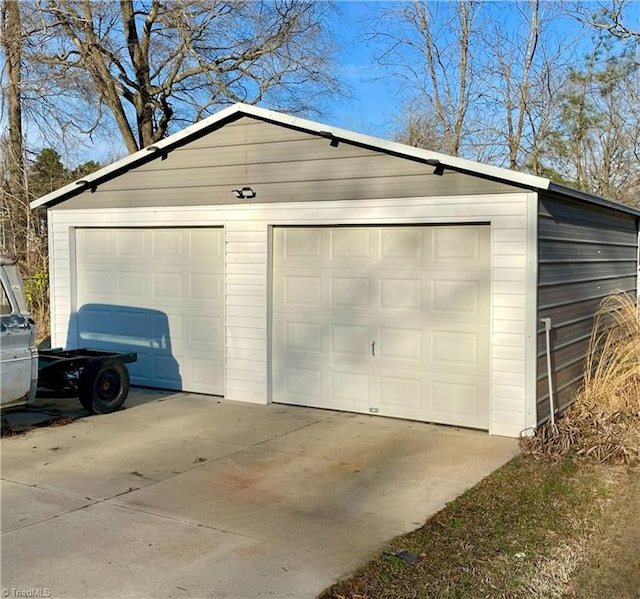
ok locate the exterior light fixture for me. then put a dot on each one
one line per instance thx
(439, 170)
(244, 193)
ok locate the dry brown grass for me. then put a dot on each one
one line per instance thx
(604, 421)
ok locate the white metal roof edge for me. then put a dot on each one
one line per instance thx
(458, 164)
(128, 161)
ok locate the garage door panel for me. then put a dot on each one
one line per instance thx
(293, 335)
(301, 245)
(457, 349)
(97, 284)
(206, 331)
(168, 246)
(302, 290)
(400, 294)
(203, 247)
(130, 244)
(400, 395)
(349, 388)
(399, 344)
(460, 402)
(157, 292)
(369, 315)
(300, 381)
(457, 244)
(101, 246)
(350, 292)
(167, 286)
(132, 285)
(348, 244)
(205, 286)
(456, 296)
(405, 244)
(205, 372)
(350, 340)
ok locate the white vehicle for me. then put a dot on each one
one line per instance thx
(18, 353)
(100, 379)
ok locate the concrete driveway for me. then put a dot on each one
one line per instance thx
(190, 496)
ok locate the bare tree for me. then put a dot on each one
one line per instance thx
(149, 65)
(13, 191)
(482, 80)
(421, 130)
(427, 48)
(524, 71)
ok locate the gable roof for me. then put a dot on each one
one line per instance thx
(232, 113)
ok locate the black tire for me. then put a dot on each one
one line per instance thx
(103, 386)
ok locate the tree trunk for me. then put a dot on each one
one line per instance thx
(11, 43)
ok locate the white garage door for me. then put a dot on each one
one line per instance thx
(385, 320)
(158, 292)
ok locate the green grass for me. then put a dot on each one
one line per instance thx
(561, 520)
(520, 532)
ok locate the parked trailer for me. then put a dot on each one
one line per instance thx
(100, 379)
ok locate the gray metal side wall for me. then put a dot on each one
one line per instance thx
(584, 253)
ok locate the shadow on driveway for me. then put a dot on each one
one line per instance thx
(55, 408)
(201, 497)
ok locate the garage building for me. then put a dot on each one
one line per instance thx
(267, 258)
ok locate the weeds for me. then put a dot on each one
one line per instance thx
(604, 421)
(36, 290)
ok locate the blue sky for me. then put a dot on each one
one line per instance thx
(373, 107)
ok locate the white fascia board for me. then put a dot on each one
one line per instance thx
(375, 143)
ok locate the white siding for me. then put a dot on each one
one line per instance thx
(246, 266)
(247, 284)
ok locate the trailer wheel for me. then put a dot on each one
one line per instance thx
(103, 386)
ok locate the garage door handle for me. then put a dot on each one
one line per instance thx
(373, 348)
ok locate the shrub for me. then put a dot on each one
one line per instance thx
(604, 421)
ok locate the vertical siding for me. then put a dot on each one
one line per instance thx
(585, 252)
